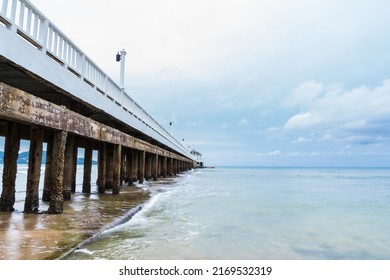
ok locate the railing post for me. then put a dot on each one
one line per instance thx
(82, 65)
(21, 14)
(13, 10)
(4, 7)
(43, 32)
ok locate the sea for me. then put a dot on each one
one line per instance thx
(251, 213)
(268, 213)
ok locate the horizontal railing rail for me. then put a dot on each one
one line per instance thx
(22, 17)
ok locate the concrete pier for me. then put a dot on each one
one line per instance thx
(52, 94)
(121, 158)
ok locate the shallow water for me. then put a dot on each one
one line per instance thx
(257, 213)
(221, 213)
(43, 236)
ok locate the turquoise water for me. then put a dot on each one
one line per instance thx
(257, 213)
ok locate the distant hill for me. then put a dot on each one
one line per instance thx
(23, 158)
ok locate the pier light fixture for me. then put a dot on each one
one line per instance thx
(120, 57)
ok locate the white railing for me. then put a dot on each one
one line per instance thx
(22, 17)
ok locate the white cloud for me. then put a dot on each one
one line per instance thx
(361, 114)
(304, 94)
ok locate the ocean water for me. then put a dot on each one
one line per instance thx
(257, 213)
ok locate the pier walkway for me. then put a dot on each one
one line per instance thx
(53, 94)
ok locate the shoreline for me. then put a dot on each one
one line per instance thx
(121, 220)
(52, 237)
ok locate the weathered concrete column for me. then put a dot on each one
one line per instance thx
(48, 167)
(128, 178)
(102, 159)
(149, 169)
(123, 171)
(155, 167)
(141, 167)
(87, 167)
(31, 204)
(56, 198)
(174, 166)
(160, 166)
(109, 166)
(164, 167)
(11, 150)
(169, 167)
(117, 156)
(146, 171)
(134, 165)
(68, 168)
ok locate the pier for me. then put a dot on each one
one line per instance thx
(54, 95)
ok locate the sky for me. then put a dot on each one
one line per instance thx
(249, 82)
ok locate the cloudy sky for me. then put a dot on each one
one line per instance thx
(250, 82)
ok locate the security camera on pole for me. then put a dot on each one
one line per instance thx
(121, 56)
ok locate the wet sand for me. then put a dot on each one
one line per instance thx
(43, 236)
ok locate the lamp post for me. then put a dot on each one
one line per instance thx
(121, 56)
(171, 124)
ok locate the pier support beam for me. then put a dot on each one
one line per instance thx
(117, 156)
(11, 150)
(68, 168)
(134, 165)
(155, 167)
(164, 167)
(56, 198)
(109, 166)
(31, 204)
(102, 160)
(170, 167)
(128, 177)
(87, 167)
(48, 168)
(141, 166)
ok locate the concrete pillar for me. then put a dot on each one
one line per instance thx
(123, 172)
(134, 165)
(155, 165)
(56, 198)
(129, 167)
(146, 171)
(170, 167)
(109, 166)
(48, 168)
(87, 167)
(141, 167)
(11, 152)
(174, 167)
(31, 204)
(102, 160)
(68, 168)
(117, 156)
(164, 167)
